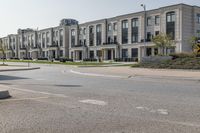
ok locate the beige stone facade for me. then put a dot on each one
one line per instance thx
(121, 37)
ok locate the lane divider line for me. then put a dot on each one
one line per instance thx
(96, 75)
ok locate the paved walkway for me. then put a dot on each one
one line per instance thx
(128, 71)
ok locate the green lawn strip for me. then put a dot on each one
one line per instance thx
(62, 63)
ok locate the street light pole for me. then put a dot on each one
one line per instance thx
(145, 21)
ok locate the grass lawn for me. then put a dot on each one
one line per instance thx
(63, 63)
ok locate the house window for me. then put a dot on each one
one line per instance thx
(91, 54)
(149, 37)
(124, 31)
(61, 38)
(198, 33)
(155, 51)
(115, 26)
(109, 27)
(198, 18)
(148, 51)
(124, 53)
(48, 37)
(148, 21)
(157, 20)
(171, 17)
(98, 34)
(84, 31)
(109, 40)
(134, 52)
(91, 35)
(135, 22)
(61, 53)
(157, 33)
(115, 39)
(73, 36)
(135, 25)
(170, 24)
(135, 38)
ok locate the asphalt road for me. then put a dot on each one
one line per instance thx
(55, 100)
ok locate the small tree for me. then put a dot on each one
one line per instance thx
(2, 50)
(195, 43)
(163, 41)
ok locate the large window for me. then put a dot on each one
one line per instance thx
(73, 36)
(198, 33)
(170, 24)
(135, 24)
(148, 52)
(115, 26)
(48, 38)
(91, 35)
(91, 54)
(61, 37)
(109, 27)
(198, 18)
(124, 53)
(171, 17)
(98, 35)
(148, 21)
(43, 40)
(149, 36)
(134, 52)
(124, 31)
(157, 20)
(157, 33)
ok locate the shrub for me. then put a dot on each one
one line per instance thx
(182, 55)
(90, 60)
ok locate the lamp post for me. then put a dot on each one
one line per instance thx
(145, 16)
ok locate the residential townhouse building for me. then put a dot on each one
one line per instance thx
(49, 43)
(10, 46)
(122, 37)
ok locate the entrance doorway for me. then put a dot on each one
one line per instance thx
(109, 54)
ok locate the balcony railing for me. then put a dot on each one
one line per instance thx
(22, 48)
(52, 46)
(110, 43)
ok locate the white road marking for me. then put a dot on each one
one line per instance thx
(163, 111)
(159, 111)
(96, 75)
(96, 102)
(141, 108)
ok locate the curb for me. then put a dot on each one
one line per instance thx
(4, 94)
(20, 69)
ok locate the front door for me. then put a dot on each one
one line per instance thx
(80, 55)
(109, 54)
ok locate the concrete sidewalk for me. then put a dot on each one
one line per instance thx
(128, 71)
(16, 68)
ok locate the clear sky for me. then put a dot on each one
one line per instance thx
(40, 14)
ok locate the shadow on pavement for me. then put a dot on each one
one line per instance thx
(5, 77)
